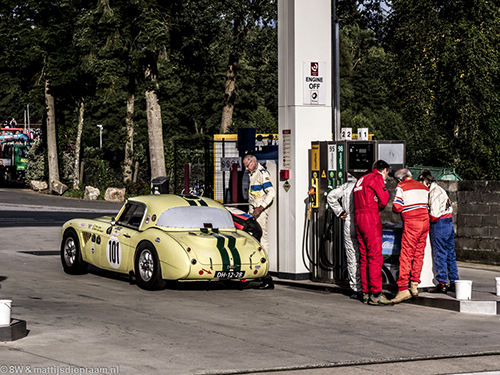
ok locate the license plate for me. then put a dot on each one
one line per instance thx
(229, 274)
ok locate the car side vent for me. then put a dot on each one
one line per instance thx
(86, 237)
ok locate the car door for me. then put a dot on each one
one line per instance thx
(92, 235)
(117, 254)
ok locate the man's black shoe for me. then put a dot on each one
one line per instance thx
(451, 288)
(440, 288)
(266, 286)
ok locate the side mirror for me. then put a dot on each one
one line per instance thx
(113, 221)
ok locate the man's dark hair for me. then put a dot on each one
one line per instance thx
(426, 175)
(380, 165)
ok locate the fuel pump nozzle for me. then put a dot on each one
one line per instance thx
(328, 190)
(312, 195)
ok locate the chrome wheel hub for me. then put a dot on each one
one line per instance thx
(146, 265)
(69, 251)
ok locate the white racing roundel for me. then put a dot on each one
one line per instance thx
(114, 252)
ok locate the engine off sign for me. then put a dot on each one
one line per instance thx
(314, 83)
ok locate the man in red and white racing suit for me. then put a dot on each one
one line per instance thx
(260, 196)
(411, 201)
(371, 196)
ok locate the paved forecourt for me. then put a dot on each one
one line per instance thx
(100, 321)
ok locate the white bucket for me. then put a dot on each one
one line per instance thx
(5, 308)
(463, 289)
(497, 279)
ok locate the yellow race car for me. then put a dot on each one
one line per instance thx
(164, 237)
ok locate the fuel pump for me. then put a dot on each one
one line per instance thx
(325, 245)
(362, 155)
(329, 164)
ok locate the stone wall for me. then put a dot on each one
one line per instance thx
(476, 208)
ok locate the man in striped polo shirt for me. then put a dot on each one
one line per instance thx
(411, 201)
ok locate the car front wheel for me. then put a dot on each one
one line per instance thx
(147, 268)
(71, 255)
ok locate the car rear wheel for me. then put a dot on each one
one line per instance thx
(71, 255)
(147, 268)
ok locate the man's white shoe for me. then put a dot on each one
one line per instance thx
(402, 295)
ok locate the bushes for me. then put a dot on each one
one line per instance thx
(100, 173)
(137, 188)
(36, 162)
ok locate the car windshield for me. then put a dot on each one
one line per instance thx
(196, 217)
(131, 215)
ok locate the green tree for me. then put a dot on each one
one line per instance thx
(39, 50)
(201, 43)
(364, 90)
(446, 82)
(241, 18)
(126, 44)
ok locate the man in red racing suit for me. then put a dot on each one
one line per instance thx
(371, 196)
(411, 201)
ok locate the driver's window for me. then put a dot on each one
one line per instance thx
(132, 215)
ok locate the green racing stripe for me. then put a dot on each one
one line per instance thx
(221, 240)
(194, 202)
(191, 202)
(234, 251)
(223, 252)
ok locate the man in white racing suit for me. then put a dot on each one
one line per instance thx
(261, 194)
(345, 210)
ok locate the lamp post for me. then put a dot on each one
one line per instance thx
(100, 135)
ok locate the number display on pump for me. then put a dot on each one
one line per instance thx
(346, 134)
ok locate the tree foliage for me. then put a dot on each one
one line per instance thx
(446, 82)
(424, 71)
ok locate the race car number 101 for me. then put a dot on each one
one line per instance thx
(114, 252)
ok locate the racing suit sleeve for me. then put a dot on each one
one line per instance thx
(398, 204)
(333, 200)
(381, 192)
(268, 188)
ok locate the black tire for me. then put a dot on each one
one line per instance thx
(71, 255)
(147, 268)
(387, 277)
